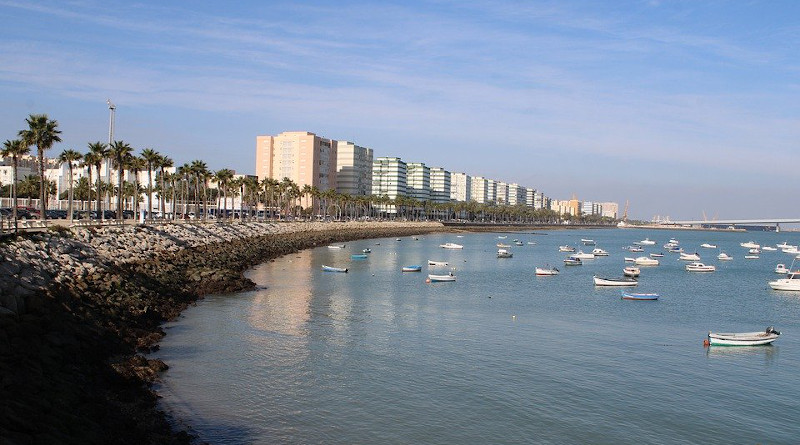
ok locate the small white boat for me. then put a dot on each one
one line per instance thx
(359, 256)
(630, 260)
(790, 249)
(669, 246)
(503, 253)
(337, 246)
(451, 246)
(645, 261)
(437, 263)
(783, 245)
(440, 278)
(751, 257)
(333, 269)
(631, 271)
(724, 257)
(546, 271)
(647, 242)
(584, 256)
(588, 242)
(572, 261)
(635, 249)
(639, 297)
(599, 252)
(764, 337)
(781, 269)
(367, 250)
(769, 248)
(656, 255)
(754, 251)
(750, 245)
(501, 245)
(689, 256)
(531, 243)
(459, 236)
(412, 269)
(700, 267)
(674, 241)
(708, 246)
(518, 243)
(566, 249)
(502, 237)
(620, 281)
(791, 282)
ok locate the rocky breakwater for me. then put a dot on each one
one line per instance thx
(78, 308)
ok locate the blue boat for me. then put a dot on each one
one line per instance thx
(333, 269)
(412, 269)
(358, 256)
(642, 297)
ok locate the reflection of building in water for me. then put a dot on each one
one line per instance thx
(284, 306)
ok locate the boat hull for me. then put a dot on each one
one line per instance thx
(441, 278)
(742, 339)
(639, 297)
(334, 269)
(412, 269)
(615, 281)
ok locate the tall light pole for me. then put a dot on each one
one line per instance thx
(111, 110)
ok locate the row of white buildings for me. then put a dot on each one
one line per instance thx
(307, 158)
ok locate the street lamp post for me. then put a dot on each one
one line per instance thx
(111, 111)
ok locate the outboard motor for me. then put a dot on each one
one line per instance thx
(771, 330)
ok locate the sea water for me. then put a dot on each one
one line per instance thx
(499, 356)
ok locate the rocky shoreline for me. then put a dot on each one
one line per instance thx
(78, 309)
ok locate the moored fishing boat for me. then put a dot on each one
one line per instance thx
(631, 271)
(451, 246)
(333, 269)
(546, 271)
(437, 263)
(640, 297)
(708, 246)
(358, 256)
(645, 261)
(441, 278)
(599, 252)
(764, 337)
(781, 269)
(503, 245)
(518, 243)
(503, 253)
(566, 249)
(656, 255)
(337, 246)
(754, 251)
(751, 245)
(700, 267)
(790, 283)
(584, 256)
(724, 257)
(572, 261)
(769, 248)
(619, 281)
(412, 268)
(689, 256)
(630, 260)
(367, 250)
(751, 257)
(588, 242)
(647, 242)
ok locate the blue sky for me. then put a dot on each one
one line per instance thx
(678, 106)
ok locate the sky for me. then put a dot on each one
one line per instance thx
(678, 107)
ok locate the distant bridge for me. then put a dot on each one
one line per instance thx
(737, 222)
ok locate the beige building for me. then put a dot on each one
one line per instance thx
(303, 157)
(353, 169)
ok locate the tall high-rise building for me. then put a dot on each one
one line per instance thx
(389, 177)
(609, 209)
(480, 189)
(303, 157)
(501, 193)
(418, 185)
(530, 197)
(491, 191)
(460, 187)
(353, 169)
(440, 185)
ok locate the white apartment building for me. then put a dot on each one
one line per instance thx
(389, 176)
(501, 193)
(460, 187)
(480, 189)
(440, 185)
(353, 169)
(418, 181)
(609, 209)
(530, 197)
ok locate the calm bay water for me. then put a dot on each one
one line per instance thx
(499, 356)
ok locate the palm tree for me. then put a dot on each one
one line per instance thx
(152, 158)
(43, 133)
(165, 162)
(136, 164)
(224, 177)
(199, 170)
(28, 188)
(15, 149)
(119, 152)
(98, 152)
(69, 157)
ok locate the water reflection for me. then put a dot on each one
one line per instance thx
(770, 352)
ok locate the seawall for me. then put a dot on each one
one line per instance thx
(79, 308)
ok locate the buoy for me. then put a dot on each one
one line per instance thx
(513, 317)
(706, 342)
(427, 280)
